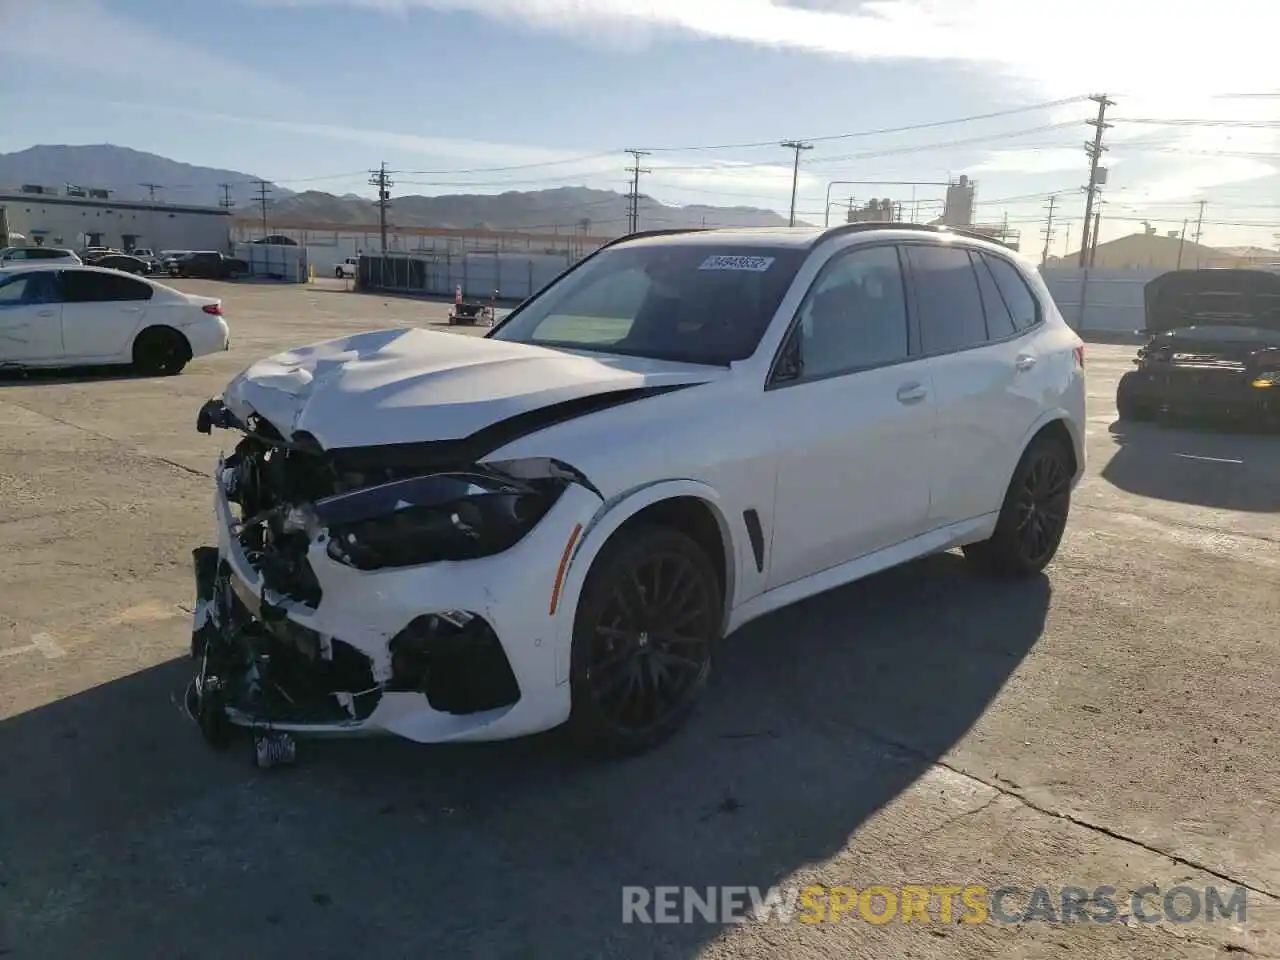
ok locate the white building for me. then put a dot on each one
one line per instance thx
(76, 217)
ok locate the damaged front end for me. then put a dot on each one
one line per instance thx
(276, 652)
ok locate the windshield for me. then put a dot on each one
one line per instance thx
(696, 303)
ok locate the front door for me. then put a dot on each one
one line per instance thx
(30, 317)
(852, 407)
(101, 313)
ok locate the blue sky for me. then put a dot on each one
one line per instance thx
(310, 93)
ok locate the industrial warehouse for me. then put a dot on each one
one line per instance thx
(77, 217)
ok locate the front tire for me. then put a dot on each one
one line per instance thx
(160, 352)
(644, 631)
(1129, 406)
(1033, 517)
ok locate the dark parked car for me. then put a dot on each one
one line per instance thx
(120, 261)
(207, 265)
(1213, 347)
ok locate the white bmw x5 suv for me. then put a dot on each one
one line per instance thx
(455, 538)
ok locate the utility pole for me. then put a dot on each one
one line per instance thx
(378, 178)
(1048, 231)
(1093, 240)
(1182, 242)
(264, 190)
(226, 203)
(1199, 226)
(633, 207)
(1094, 152)
(151, 189)
(797, 146)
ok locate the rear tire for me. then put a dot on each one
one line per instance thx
(1033, 517)
(338, 274)
(160, 352)
(646, 624)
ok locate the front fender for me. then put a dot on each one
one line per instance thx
(610, 516)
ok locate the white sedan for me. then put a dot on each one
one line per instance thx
(69, 315)
(454, 538)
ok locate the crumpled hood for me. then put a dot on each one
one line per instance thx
(411, 385)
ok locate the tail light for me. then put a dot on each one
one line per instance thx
(1079, 352)
(213, 309)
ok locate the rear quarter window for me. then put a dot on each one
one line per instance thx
(1022, 303)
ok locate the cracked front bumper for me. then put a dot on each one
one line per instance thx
(363, 611)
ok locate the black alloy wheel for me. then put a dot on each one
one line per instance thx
(1042, 505)
(646, 625)
(160, 352)
(1033, 518)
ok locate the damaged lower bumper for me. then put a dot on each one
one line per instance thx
(1204, 393)
(474, 649)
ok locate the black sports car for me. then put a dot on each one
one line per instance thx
(1213, 348)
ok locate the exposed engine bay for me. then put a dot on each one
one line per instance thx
(292, 506)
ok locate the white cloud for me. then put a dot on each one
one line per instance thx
(1134, 45)
(1191, 180)
(1053, 160)
(1156, 61)
(60, 38)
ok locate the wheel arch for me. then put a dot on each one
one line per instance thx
(1056, 424)
(690, 506)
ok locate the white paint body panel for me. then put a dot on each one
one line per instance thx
(407, 385)
(846, 479)
(68, 334)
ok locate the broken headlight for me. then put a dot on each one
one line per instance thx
(449, 516)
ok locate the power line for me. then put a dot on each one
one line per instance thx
(635, 170)
(1094, 151)
(378, 178)
(798, 146)
(1207, 122)
(929, 125)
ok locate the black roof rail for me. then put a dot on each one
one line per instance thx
(643, 234)
(845, 228)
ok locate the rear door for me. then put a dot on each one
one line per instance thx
(101, 313)
(983, 372)
(30, 316)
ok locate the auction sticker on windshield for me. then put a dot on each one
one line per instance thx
(750, 264)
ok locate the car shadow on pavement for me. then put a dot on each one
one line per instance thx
(61, 375)
(120, 832)
(1229, 468)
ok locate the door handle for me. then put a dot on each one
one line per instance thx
(911, 393)
(1024, 362)
(44, 313)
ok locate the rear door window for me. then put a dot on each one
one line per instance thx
(86, 286)
(999, 321)
(947, 298)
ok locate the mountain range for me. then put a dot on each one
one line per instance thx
(131, 174)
